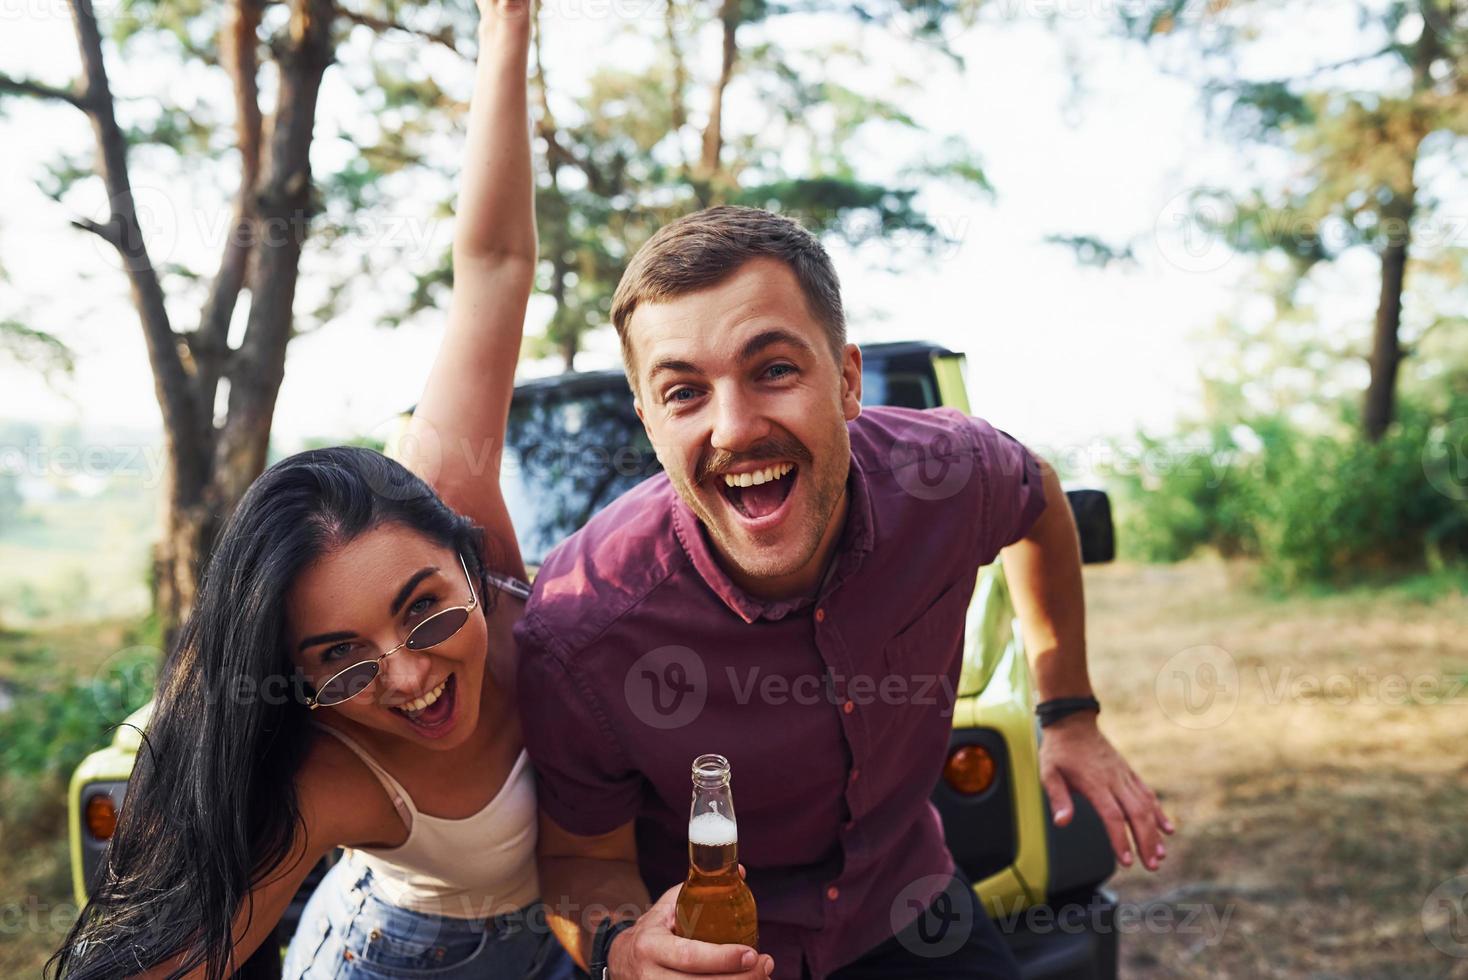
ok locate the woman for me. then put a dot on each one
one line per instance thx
(347, 677)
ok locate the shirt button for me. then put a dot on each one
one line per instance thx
(850, 825)
(820, 615)
(848, 707)
(854, 774)
(833, 893)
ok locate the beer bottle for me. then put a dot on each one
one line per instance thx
(714, 905)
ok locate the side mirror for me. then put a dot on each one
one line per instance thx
(1092, 510)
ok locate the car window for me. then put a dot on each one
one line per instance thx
(568, 456)
(894, 386)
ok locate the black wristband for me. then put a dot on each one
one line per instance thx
(1055, 709)
(601, 945)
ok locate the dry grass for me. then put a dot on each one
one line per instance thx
(1320, 819)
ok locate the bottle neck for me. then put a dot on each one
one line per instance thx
(713, 833)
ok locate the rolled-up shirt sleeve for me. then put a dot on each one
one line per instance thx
(583, 779)
(1014, 490)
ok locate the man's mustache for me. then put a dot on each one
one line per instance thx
(781, 447)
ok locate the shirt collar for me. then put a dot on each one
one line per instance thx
(855, 541)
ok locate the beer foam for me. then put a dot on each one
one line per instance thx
(712, 830)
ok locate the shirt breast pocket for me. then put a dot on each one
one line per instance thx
(923, 657)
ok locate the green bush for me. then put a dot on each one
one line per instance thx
(51, 726)
(1319, 507)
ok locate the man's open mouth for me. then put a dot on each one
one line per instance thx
(757, 494)
(432, 713)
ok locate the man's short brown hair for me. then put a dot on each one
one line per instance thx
(702, 249)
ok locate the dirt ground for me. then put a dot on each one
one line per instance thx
(1313, 753)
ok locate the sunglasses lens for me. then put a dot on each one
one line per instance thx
(436, 629)
(348, 684)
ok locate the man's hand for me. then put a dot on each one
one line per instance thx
(650, 950)
(1075, 756)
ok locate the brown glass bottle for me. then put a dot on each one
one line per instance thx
(714, 905)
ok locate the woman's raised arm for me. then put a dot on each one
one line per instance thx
(456, 437)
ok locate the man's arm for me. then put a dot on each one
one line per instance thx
(584, 880)
(1043, 570)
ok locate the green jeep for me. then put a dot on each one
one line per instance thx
(1031, 875)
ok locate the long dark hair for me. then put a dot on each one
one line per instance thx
(211, 805)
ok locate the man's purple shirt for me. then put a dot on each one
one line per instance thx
(638, 653)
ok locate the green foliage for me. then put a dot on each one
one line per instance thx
(36, 348)
(53, 724)
(642, 146)
(1314, 507)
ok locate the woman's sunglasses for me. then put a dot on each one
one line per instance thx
(347, 684)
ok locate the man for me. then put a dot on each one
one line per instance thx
(794, 544)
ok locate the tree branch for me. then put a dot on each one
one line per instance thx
(24, 86)
(123, 230)
(106, 232)
(380, 25)
(240, 54)
(284, 205)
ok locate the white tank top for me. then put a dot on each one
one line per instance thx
(476, 867)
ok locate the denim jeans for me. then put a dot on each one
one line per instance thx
(348, 931)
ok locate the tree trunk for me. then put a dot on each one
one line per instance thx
(569, 343)
(1396, 225)
(1386, 350)
(178, 558)
(713, 133)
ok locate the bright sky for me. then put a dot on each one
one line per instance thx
(1058, 354)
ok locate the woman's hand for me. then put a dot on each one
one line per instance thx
(504, 10)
